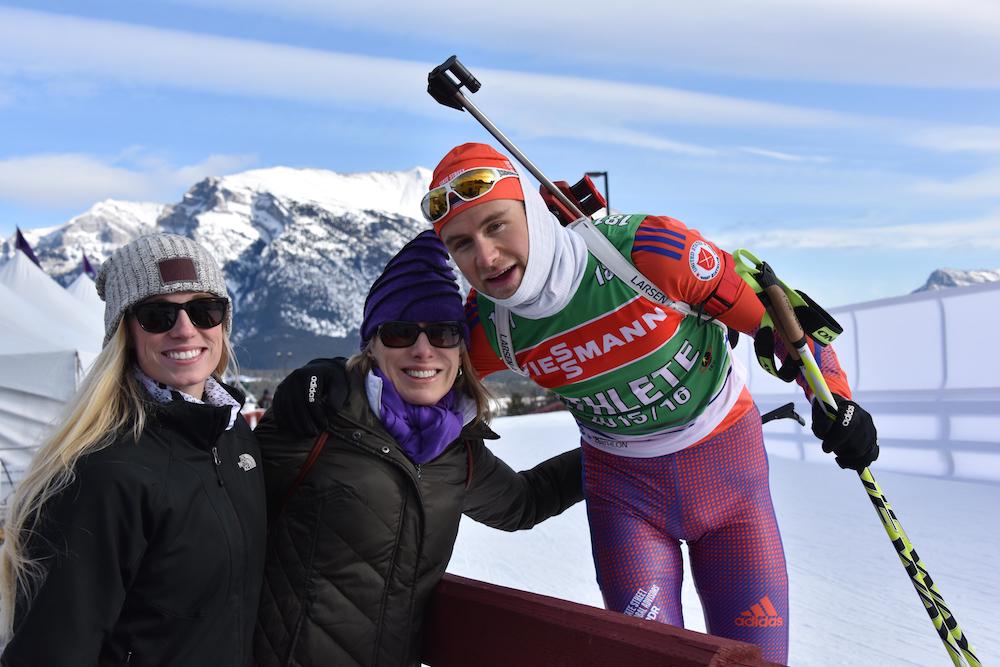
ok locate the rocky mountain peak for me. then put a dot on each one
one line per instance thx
(945, 278)
(299, 247)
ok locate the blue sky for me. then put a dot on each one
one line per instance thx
(853, 144)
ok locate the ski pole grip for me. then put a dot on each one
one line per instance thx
(446, 90)
(780, 306)
(462, 74)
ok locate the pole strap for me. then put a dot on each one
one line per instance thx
(816, 323)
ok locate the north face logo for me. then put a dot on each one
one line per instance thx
(246, 462)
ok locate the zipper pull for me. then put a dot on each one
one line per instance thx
(418, 471)
(218, 462)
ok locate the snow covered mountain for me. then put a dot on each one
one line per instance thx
(299, 247)
(945, 278)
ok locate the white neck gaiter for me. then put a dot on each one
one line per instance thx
(557, 259)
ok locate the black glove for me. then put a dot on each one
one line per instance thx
(851, 436)
(298, 401)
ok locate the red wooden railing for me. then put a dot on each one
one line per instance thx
(474, 623)
(253, 416)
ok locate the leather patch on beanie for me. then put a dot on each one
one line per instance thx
(177, 270)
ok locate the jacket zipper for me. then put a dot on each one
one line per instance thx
(241, 574)
(420, 546)
(218, 462)
(393, 564)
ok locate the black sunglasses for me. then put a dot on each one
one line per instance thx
(405, 334)
(161, 316)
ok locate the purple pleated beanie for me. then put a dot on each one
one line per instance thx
(417, 285)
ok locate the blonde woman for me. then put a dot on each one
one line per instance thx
(136, 536)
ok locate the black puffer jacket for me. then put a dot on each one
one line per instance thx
(155, 552)
(353, 558)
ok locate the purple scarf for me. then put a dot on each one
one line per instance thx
(422, 431)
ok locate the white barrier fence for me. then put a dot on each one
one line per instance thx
(925, 367)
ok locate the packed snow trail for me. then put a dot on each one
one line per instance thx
(851, 602)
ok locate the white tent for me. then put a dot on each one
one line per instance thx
(39, 368)
(84, 289)
(33, 389)
(27, 328)
(47, 338)
(31, 283)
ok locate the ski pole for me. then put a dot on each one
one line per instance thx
(944, 622)
(791, 332)
(448, 92)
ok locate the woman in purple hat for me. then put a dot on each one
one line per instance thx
(364, 517)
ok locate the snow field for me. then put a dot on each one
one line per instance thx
(851, 602)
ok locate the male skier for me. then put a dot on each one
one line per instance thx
(672, 442)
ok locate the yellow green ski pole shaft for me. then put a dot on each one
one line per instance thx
(791, 333)
(944, 622)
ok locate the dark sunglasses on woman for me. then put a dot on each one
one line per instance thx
(161, 316)
(405, 334)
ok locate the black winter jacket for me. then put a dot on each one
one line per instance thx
(155, 552)
(356, 553)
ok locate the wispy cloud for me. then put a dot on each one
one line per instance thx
(978, 138)
(41, 45)
(72, 53)
(576, 99)
(979, 234)
(80, 180)
(785, 157)
(624, 137)
(926, 43)
(982, 185)
(47, 45)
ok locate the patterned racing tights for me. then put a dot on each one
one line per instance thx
(714, 496)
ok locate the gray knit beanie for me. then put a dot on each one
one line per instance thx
(156, 264)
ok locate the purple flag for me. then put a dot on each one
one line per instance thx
(87, 267)
(23, 246)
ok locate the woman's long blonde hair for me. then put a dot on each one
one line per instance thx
(108, 403)
(467, 380)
